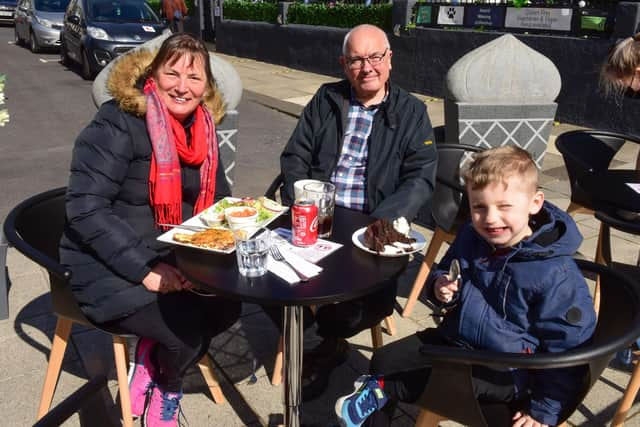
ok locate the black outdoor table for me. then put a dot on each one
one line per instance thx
(347, 273)
(609, 188)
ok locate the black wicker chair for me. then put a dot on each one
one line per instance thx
(34, 228)
(449, 394)
(449, 210)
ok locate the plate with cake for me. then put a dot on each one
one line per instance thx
(389, 238)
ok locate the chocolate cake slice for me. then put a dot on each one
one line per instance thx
(381, 233)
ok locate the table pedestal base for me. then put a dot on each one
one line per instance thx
(293, 331)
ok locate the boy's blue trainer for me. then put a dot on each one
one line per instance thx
(366, 398)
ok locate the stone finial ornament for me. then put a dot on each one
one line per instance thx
(504, 71)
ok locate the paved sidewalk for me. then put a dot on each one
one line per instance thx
(26, 336)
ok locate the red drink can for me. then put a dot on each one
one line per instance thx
(304, 223)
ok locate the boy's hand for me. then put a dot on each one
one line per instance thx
(520, 419)
(443, 288)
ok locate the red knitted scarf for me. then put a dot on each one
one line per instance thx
(170, 149)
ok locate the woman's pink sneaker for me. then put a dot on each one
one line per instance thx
(141, 380)
(163, 409)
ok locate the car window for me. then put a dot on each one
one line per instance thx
(118, 11)
(51, 5)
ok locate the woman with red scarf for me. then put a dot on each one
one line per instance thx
(149, 157)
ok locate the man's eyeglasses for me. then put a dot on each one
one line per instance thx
(358, 62)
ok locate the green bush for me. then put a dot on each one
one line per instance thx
(249, 11)
(340, 15)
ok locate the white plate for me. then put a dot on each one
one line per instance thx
(167, 237)
(358, 239)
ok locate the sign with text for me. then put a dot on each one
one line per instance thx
(424, 14)
(484, 16)
(451, 15)
(538, 18)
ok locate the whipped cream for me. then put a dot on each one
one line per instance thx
(402, 226)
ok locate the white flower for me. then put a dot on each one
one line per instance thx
(4, 117)
(4, 114)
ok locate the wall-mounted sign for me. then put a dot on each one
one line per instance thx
(450, 15)
(424, 14)
(593, 20)
(483, 16)
(556, 19)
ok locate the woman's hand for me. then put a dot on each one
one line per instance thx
(165, 278)
(443, 288)
(520, 419)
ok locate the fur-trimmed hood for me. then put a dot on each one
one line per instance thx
(124, 85)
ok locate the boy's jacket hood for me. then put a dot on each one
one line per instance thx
(554, 234)
(125, 82)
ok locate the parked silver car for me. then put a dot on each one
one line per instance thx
(7, 8)
(39, 22)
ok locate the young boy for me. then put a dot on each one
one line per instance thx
(519, 291)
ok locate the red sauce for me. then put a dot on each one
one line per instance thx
(243, 213)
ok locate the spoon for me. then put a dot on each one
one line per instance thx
(454, 272)
(253, 378)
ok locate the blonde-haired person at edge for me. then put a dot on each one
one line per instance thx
(620, 73)
(175, 11)
(621, 70)
(149, 156)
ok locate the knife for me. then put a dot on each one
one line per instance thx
(186, 227)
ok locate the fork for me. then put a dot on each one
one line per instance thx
(275, 253)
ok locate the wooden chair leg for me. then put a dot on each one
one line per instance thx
(122, 367)
(276, 378)
(428, 419)
(376, 336)
(628, 398)
(434, 246)
(390, 325)
(575, 208)
(58, 347)
(599, 259)
(206, 367)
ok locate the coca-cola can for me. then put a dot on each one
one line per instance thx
(304, 223)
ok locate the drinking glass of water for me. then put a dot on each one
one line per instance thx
(252, 248)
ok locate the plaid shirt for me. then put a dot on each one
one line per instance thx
(349, 176)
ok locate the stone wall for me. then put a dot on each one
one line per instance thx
(422, 57)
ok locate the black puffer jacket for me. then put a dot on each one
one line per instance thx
(110, 242)
(401, 164)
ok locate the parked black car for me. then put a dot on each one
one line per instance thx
(97, 31)
(7, 11)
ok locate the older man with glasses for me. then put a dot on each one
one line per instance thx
(374, 141)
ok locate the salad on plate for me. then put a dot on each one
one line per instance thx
(267, 210)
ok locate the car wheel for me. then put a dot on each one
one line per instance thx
(33, 43)
(87, 74)
(18, 40)
(64, 57)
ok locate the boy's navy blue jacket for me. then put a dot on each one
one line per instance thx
(533, 298)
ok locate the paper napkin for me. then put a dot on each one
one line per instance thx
(285, 272)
